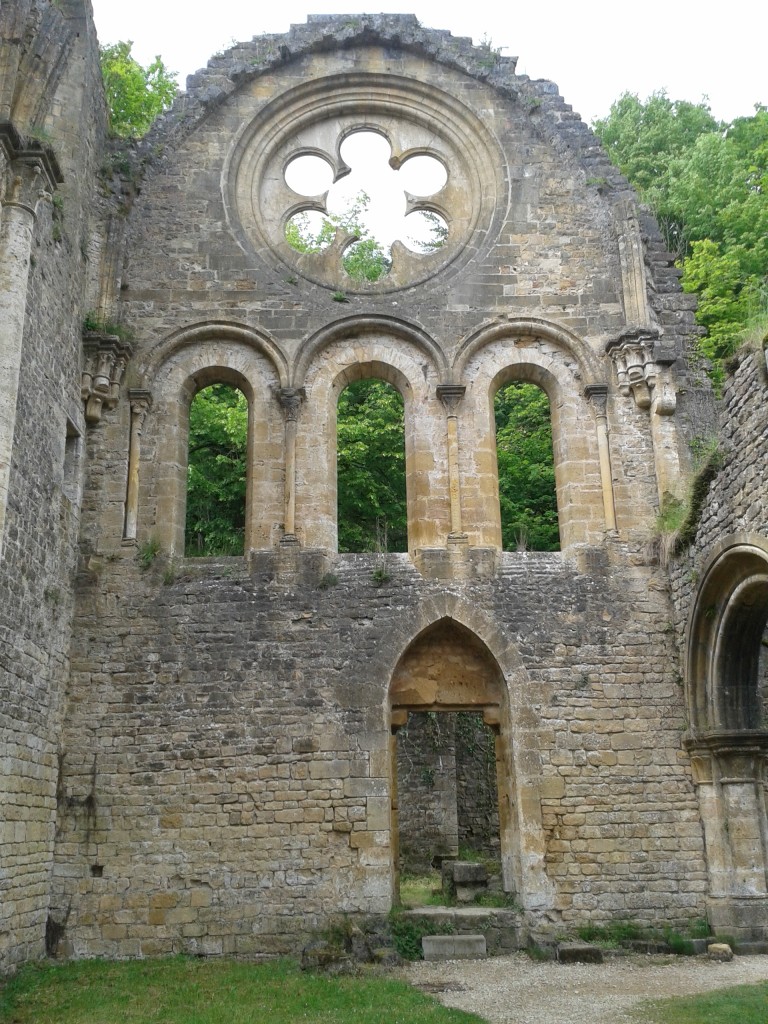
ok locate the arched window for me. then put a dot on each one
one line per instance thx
(372, 513)
(527, 497)
(217, 472)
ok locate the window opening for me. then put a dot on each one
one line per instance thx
(527, 497)
(372, 513)
(368, 202)
(216, 474)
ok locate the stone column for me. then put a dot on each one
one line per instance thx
(28, 184)
(598, 396)
(290, 401)
(451, 395)
(140, 404)
(715, 835)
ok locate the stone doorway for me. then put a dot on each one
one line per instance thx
(447, 789)
(449, 715)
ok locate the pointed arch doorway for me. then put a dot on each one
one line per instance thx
(446, 670)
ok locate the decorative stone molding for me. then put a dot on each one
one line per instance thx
(290, 400)
(451, 395)
(638, 373)
(106, 357)
(32, 168)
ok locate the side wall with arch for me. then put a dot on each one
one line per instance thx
(721, 587)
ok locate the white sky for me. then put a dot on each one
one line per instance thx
(594, 50)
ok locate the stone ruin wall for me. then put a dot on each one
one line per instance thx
(226, 759)
(720, 589)
(52, 125)
(227, 763)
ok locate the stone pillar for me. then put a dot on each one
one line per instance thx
(290, 401)
(718, 858)
(140, 404)
(743, 814)
(28, 183)
(728, 770)
(451, 395)
(598, 396)
(631, 259)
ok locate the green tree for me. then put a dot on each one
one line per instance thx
(526, 468)
(218, 433)
(135, 95)
(371, 467)
(646, 141)
(706, 184)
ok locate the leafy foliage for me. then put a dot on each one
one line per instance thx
(706, 183)
(135, 95)
(526, 468)
(371, 467)
(218, 432)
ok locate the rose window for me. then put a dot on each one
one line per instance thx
(364, 183)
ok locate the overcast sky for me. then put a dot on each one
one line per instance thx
(593, 50)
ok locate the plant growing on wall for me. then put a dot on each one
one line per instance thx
(135, 95)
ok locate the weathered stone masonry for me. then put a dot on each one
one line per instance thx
(199, 755)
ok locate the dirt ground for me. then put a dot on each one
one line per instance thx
(517, 990)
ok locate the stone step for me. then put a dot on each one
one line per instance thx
(579, 953)
(502, 927)
(453, 947)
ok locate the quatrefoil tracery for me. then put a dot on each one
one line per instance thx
(400, 200)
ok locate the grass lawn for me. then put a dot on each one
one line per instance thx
(745, 1004)
(191, 991)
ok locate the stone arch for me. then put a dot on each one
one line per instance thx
(575, 352)
(445, 664)
(725, 629)
(215, 330)
(728, 741)
(198, 360)
(530, 350)
(357, 327)
(339, 357)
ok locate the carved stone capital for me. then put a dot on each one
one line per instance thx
(597, 394)
(636, 370)
(290, 400)
(31, 169)
(106, 357)
(141, 403)
(451, 395)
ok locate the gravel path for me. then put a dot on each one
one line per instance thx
(517, 990)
